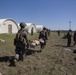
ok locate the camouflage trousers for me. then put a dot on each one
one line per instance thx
(20, 53)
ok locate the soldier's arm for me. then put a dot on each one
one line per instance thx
(26, 38)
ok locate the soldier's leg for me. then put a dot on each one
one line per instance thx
(41, 46)
(17, 52)
(44, 44)
(69, 42)
(23, 53)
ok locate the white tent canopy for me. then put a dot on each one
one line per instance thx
(8, 26)
(39, 28)
(29, 26)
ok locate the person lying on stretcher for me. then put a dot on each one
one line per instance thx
(36, 42)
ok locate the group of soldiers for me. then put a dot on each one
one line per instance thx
(69, 37)
(21, 41)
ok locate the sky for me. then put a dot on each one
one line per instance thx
(53, 14)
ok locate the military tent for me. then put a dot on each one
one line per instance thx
(39, 28)
(8, 26)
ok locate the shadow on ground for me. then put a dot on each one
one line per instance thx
(28, 52)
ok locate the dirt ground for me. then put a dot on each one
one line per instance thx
(55, 59)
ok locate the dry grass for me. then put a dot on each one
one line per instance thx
(53, 60)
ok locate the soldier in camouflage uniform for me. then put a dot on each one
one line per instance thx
(43, 35)
(74, 38)
(69, 35)
(20, 47)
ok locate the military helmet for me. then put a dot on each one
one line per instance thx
(22, 24)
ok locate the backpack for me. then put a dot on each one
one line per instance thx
(19, 39)
(42, 33)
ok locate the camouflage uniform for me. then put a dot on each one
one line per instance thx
(74, 38)
(69, 35)
(21, 48)
(43, 35)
